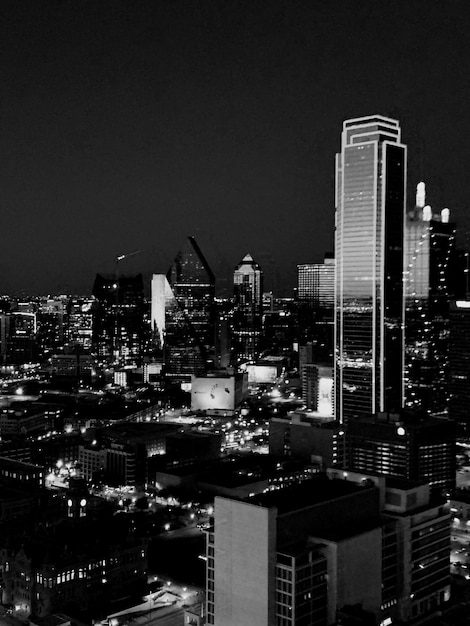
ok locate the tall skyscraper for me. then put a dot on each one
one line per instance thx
(429, 264)
(369, 307)
(248, 308)
(182, 313)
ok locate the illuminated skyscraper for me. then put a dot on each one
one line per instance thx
(118, 318)
(369, 307)
(429, 263)
(187, 295)
(248, 310)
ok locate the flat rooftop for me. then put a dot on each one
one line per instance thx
(310, 492)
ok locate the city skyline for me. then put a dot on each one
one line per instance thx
(118, 137)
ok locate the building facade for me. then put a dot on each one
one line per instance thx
(248, 309)
(369, 307)
(429, 264)
(315, 301)
(415, 447)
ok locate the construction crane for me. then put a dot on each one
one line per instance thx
(122, 257)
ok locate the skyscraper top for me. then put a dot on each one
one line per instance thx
(249, 261)
(371, 128)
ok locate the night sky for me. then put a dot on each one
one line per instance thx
(132, 124)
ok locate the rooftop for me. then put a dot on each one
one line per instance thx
(309, 493)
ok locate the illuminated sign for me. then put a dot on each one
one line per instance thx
(262, 373)
(216, 393)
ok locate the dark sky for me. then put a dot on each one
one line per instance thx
(132, 124)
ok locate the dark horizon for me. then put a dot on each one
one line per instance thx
(130, 127)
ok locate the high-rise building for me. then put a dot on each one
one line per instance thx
(291, 557)
(248, 309)
(429, 265)
(79, 322)
(18, 334)
(193, 285)
(315, 301)
(459, 365)
(118, 318)
(406, 445)
(50, 325)
(182, 314)
(369, 306)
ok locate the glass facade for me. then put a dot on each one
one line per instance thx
(429, 256)
(188, 295)
(315, 300)
(370, 197)
(248, 309)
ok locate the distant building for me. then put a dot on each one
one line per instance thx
(248, 309)
(182, 314)
(305, 436)
(18, 337)
(21, 419)
(19, 474)
(50, 324)
(113, 463)
(412, 446)
(459, 365)
(315, 300)
(79, 322)
(429, 284)
(317, 387)
(118, 318)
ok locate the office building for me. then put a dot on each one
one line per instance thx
(291, 557)
(317, 388)
(50, 325)
(306, 436)
(79, 563)
(459, 365)
(118, 319)
(415, 547)
(182, 314)
(406, 445)
(429, 265)
(248, 309)
(369, 307)
(18, 337)
(79, 322)
(315, 301)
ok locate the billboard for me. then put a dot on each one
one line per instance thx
(262, 373)
(213, 393)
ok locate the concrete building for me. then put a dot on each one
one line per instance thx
(406, 445)
(317, 388)
(292, 557)
(305, 436)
